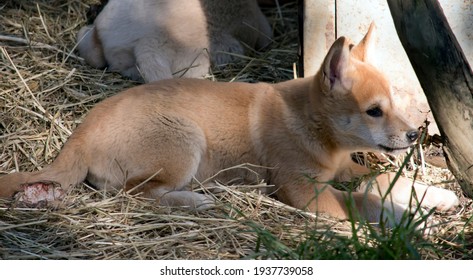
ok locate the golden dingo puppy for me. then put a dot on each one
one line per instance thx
(161, 136)
(160, 39)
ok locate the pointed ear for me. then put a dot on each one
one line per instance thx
(362, 50)
(336, 64)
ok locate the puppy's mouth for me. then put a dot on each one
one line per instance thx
(392, 149)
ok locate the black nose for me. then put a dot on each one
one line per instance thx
(412, 135)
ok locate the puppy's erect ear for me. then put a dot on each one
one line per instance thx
(363, 49)
(336, 64)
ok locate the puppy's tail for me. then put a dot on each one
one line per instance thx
(69, 169)
(90, 47)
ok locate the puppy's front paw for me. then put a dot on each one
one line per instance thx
(441, 199)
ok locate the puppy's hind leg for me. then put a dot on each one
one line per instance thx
(174, 156)
(224, 49)
(90, 47)
(181, 198)
(191, 63)
(68, 170)
(171, 189)
(153, 58)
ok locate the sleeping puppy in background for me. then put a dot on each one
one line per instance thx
(158, 39)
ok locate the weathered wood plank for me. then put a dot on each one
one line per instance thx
(445, 76)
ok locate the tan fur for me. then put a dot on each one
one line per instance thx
(159, 39)
(304, 130)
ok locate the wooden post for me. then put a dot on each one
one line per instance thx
(445, 76)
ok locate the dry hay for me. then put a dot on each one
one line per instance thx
(45, 92)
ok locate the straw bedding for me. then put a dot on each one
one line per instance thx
(45, 92)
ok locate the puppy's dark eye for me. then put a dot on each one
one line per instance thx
(375, 112)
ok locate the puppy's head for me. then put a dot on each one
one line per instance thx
(356, 100)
